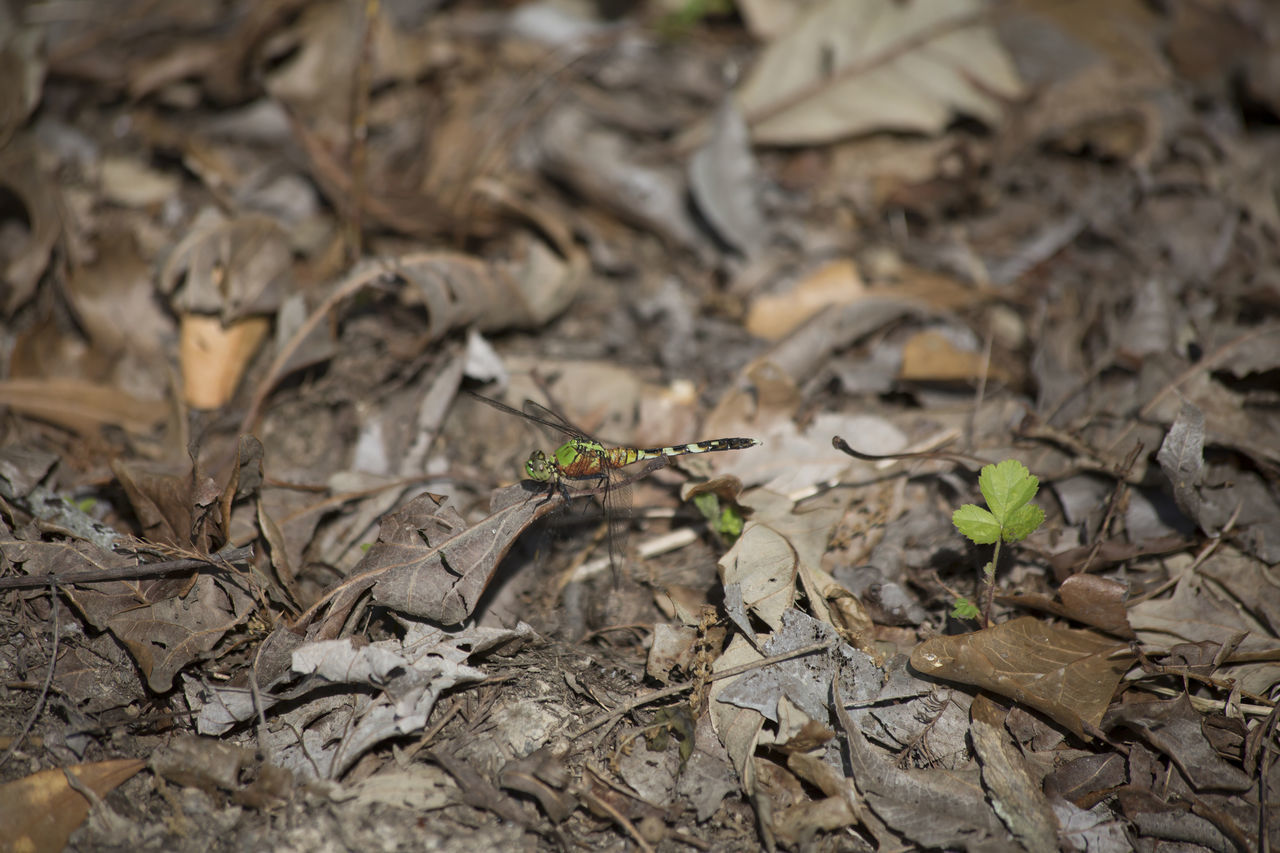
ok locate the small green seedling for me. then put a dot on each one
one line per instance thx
(724, 518)
(1008, 489)
(681, 21)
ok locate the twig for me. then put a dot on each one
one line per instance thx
(220, 560)
(676, 689)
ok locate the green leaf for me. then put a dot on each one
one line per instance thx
(725, 520)
(708, 504)
(730, 524)
(965, 609)
(1007, 486)
(977, 524)
(1022, 523)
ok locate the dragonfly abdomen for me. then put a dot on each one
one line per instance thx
(620, 456)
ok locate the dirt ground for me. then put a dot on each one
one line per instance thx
(948, 333)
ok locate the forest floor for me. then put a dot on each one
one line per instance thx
(274, 577)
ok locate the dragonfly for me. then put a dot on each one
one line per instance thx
(587, 463)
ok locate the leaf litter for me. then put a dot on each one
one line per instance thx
(249, 258)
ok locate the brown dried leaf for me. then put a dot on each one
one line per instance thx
(738, 728)
(115, 302)
(215, 356)
(795, 826)
(888, 66)
(21, 175)
(169, 503)
(723, 180)
(1066, 674)
(97, 674)
(1102, 554)
(1181, 458)
(672, 650)
(166, 635)
(201, 762)
(930, 356)
(22, 64)
(231, 268)
(543, 776)
(933, 808)
(82, 406)
(1176, 729)
(525, 291)
(1090, 599)
(432, 565)
(40, 811)
(1226, 595)
(600, 165)
(165, 622)
(1087, 779)
(1015, 795)
(773, 316)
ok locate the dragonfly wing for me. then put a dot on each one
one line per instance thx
(617, 513)
(550, 418)
(533, 412)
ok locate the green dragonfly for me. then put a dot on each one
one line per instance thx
(587, 463)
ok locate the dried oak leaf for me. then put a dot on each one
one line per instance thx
(430, 564)
(1066, 674)
(166, 623)
(1176, 729)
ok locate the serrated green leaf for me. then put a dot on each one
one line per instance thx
(989, 481)
(1022, 523)
(977, 524)
(964, 609)
(1021, 494)
(1007, 486)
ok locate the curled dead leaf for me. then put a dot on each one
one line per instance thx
(429, 563)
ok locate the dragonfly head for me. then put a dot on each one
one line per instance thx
(538, 467)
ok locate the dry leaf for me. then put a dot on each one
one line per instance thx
(39, 812)
(429, 563)
(214, 356)
(82, 406)
(1215, 602)
(723, 180)
(773, 316)
(1093, 600)
(1066, 674)
(738, 728)
(39, 200)
(1176, 729)
(933, 808)
(1015, 794)
(849, 68)
(930, 357)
